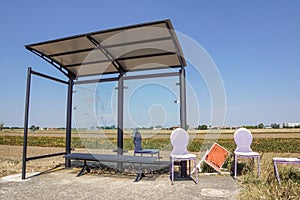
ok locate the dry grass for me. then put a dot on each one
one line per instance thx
(11, 159)
(266, 186)
(8, 167)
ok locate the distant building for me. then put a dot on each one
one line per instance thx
(52, 129)
(291, 125)
(268, 127)
(220, 127)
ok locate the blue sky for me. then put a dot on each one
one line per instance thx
(255, 45)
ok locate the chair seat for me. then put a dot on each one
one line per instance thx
(183, 156)
(246, 153)
(276, 159)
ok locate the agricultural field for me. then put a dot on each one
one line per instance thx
(200, 134)
(268, 142)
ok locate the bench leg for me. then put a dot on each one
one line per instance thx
(139, 176)
(84, 168)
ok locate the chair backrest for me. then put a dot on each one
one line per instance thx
(137, 140)
(243, 139)
(179, 139)
(217, 155)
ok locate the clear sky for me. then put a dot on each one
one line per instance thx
(255, 45)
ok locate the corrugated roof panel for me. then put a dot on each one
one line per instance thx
(131, 47)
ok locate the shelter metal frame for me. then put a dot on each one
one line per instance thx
(45, 51)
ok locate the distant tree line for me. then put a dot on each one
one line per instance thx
(6, 127)
(32, 127)
(202, 127)
(258, 126)
(261, 126)
(106, 127)
(142, 128)
(275, 125)
(297, 126)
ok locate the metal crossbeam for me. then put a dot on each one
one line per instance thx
(116, 64)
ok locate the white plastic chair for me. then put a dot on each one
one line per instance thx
(179, 140)
(243, 139)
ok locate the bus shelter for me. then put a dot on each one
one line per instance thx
(109, 55)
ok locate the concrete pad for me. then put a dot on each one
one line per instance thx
(65, 185)
(18, 177)
(210, 192)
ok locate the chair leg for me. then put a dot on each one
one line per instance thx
(198, 166)
(235, 165)
(189, 167)
(172, 172)
(276, 171)
(258, 165)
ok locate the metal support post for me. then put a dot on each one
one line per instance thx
(120, 116)
(183, 123)
(26, 119)
(183, 120)
(69, 122)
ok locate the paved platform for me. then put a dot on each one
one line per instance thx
(63, 184)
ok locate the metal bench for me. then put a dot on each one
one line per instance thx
(116, 159)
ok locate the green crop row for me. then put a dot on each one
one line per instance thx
(276, 145)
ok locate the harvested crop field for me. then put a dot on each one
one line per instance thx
(197, 134)
(269, 143)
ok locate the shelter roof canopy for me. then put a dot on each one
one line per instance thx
(146, 46)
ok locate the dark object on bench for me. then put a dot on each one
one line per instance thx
(115, 158)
